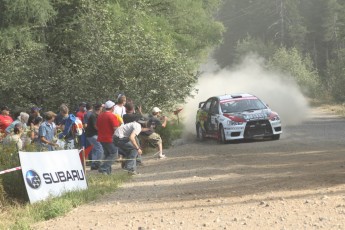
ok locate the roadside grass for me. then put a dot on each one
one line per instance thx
(15, 213)
(23, 216)
(338, 109)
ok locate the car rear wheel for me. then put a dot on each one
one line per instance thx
(222, 135)
(200, 134)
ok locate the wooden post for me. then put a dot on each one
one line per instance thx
(84, 161)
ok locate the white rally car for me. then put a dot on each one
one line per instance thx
(236, 116)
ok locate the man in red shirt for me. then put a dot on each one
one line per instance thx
(81, 112)
(5, 120)
(106, 125)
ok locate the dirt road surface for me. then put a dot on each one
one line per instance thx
(297, 182)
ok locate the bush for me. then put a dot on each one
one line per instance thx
(2, 195)
(171, 132)
(12, 184)
(299, 67)
(336, 78)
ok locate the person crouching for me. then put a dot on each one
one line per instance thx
(126, 138)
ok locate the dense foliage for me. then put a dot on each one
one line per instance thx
(54, 51)
(307, 36)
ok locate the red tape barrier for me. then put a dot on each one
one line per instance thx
(10, 170)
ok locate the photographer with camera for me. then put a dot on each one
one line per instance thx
(156, 122)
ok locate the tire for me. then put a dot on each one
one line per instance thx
(276, 137)
(222, 139)
(200, 134)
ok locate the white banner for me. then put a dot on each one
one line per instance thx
(50, 174)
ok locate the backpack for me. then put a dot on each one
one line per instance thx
(77, 127)
(74, 126)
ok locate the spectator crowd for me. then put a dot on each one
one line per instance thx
(112, 131)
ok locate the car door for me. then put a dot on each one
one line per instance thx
(214, 115)
(206, 110)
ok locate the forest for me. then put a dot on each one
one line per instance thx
(304, 38)
(55, 51)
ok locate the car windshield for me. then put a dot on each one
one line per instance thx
(240, 105)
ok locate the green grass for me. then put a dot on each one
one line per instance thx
(16, 214)
(22, 216)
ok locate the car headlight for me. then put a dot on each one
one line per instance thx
(275, 118)
(235, 123)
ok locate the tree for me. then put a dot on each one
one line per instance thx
(89, 50)
(299, 68)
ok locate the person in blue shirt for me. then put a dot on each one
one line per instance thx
(46, 132)
(66, 126)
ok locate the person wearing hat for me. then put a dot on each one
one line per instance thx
(46, 132)
(151, 136)
(5, 120)
(106, 125)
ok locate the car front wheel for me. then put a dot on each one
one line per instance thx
(200, 133)
(222, 135)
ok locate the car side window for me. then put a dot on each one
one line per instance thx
(207, 105)
(214, 107)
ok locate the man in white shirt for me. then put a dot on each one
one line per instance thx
(126, 138)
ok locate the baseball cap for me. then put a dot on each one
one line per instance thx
(156, 110)
(109, 104)
(35, 108)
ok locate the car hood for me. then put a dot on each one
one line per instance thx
(261, 114)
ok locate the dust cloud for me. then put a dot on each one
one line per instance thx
(277, 90)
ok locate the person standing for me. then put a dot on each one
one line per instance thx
(120, 105)
(91, 134)
(82, 111)
(89, 111)
(34, 130)
(22, 118)
(106, 125)
(35, 112)
(46, 132)
(5, 120)
(66, 126)
(130, 116)
(15, 137)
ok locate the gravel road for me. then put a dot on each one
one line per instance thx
(296, 182)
